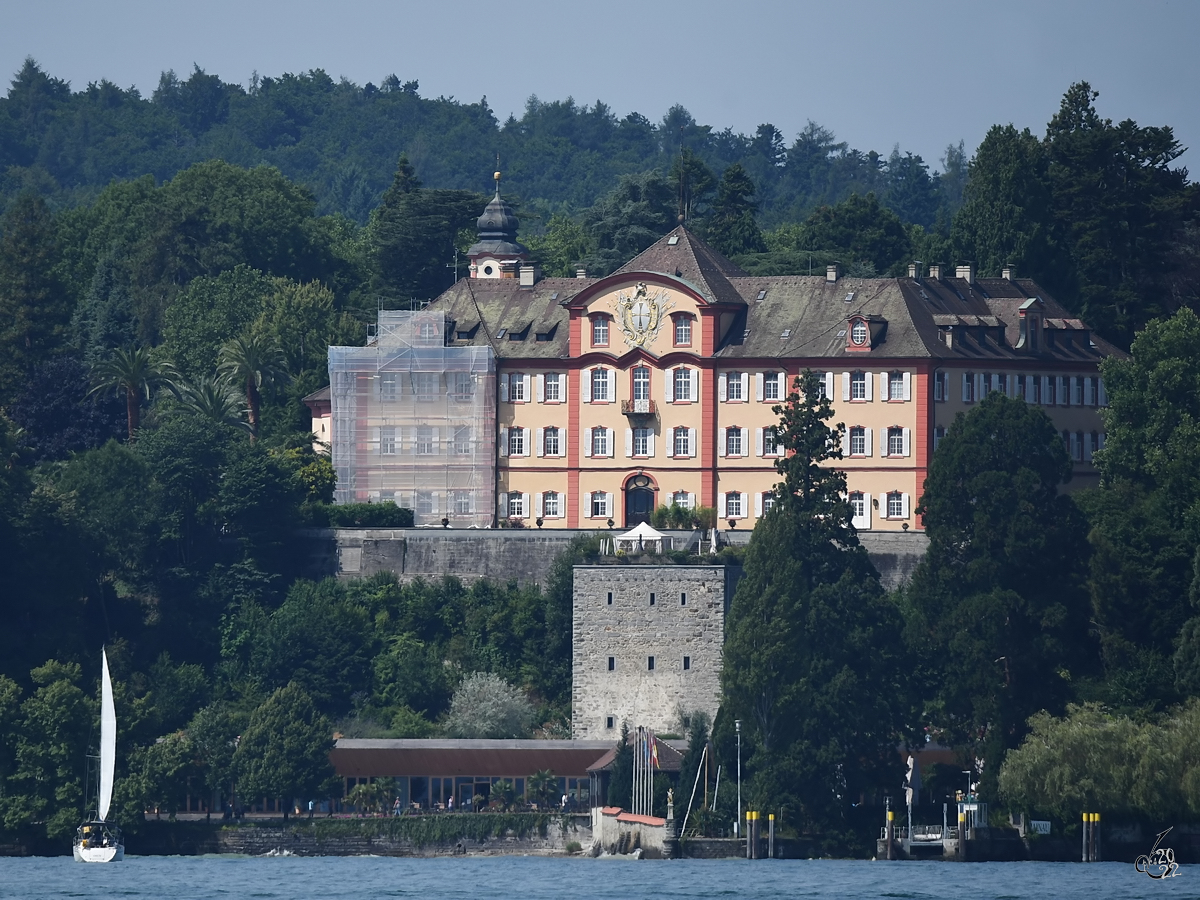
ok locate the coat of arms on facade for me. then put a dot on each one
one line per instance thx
(641, 314)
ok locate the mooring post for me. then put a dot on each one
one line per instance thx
(1084, 854)
(771, 836)
(749, 833)
(1096, 840)
(962, 837)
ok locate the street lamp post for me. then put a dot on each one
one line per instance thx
(737, 823)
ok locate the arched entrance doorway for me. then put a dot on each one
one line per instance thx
(639, 499)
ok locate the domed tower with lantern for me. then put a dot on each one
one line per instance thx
(497, 254)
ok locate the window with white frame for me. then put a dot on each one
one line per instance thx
(733, 441)
(427, 333)
(733, 505)
(1033, 390)
(516, 442)
(551, 505)
(682, 384)
(600, 331)
(424, 503)
(895, 505)
(858, 505)
(733, 386)
(600, 385)
(682, 499)
(462, 440)
(895, 385)
(941, 386)
(938, 433)
(895, 441)
(770, 441)
(516, 387)
(550, 442)
(858, 332)
(425, 386)
(771, 382)
(968, 387)
(683, 331)
(858, 385)
(599, 442)
(682, 442)
(552, 389)
(768, 501)
(641, 383)
(599, 505)
(424, 442)
(462, 503)
(516, 506)
(462, 387)
(1000, 383)
(641, 441)
(387, 440)
(858, 441)
(387, 386)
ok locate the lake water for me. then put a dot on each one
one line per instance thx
(362, 878)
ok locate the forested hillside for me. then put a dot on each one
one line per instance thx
(173, 268)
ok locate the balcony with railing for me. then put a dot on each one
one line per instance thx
(638, 408)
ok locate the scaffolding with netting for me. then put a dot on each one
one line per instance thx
(414, 421)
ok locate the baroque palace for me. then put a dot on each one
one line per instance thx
(576, 401)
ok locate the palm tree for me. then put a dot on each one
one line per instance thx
(211, 398)
(252, 362)
(136, 373)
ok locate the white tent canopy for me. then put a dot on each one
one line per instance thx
(640, 538)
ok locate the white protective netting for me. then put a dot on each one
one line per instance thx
(414, 421)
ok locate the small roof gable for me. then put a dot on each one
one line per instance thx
(681, 254)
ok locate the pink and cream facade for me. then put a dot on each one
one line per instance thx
(655, 385)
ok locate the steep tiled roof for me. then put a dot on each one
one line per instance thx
(682, 254)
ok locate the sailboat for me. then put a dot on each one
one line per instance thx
(98, 840)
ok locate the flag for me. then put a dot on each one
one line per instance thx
(654, 754)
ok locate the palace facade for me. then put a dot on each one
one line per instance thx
(655, 384)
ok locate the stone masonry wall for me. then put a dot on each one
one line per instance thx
(630, 630)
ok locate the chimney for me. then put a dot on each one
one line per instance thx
(1009, 272)
(833, 273)
(966, 273)
(935, 272)
(912, 271)
(581, 273)
(508, 268)
(530, 274)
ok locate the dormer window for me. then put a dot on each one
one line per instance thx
(858, 332)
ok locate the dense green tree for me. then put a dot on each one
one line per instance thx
(860, 230)
(813, 662)
(694, 183)
(157, 774)
(911, 193)
(284, 751)
(998, 604)
(252, 363)
(620, 778)
(639, 211)
(486, 706)
(211, 312)
(213, 733)
(55, 414)
(563, 247)
(732, 228)
(34, 308)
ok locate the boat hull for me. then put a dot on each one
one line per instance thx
(98, 854)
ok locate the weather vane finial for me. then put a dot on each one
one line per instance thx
(497, 174)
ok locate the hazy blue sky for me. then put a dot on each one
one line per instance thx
(923, 74)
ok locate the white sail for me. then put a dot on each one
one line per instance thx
(108, 741)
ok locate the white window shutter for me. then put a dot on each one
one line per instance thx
(504, 442)
(867, 382)
(502, 505)
(691, 501)
(758, 441)
(525, 388)
(883, 509)
(758, 506)
(1101, 397)
(541, 391)
(691, 442)
(612, 385)
(1089, 392)
(376, 441)
(907, 386)
(829, 385)
(845, 385)
(437, 448)
(1100, 439)
(723, 442)
(504, 388)
(758, 386)
(846, 442)
(587, 442)
(668, 385)
(904, 505)
(540, 444)
(609, 507)
(745, 442)
(869, 433)
(721, 504)
(585, 385)
(1087, 446)
(866, 516)
(906, 435)
(745, 385)
(979, 387)
(1059, 391)
(525, 505)
(650, 444)
(628, 442)
(434, 508)
(1045, 390)
(694, 374)
(884, 394)
(722, 386)
(966, 388)
(540, 504)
